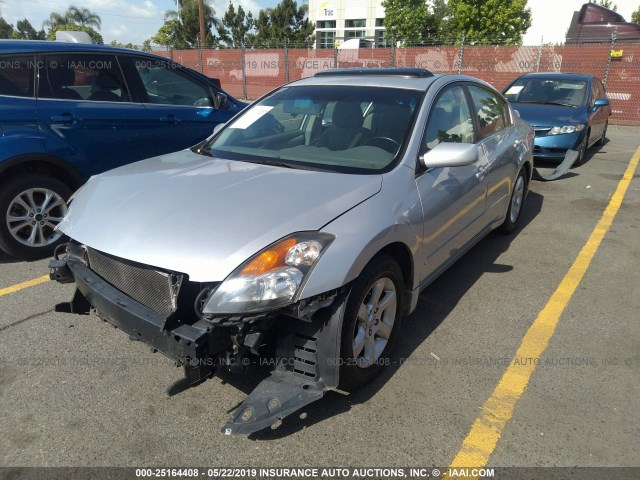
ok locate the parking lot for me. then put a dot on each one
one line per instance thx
(75, 392)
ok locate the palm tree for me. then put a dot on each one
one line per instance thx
(55, 19)
(84, 17)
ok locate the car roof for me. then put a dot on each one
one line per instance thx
(376, 79)
(44, 46)
(558, 76)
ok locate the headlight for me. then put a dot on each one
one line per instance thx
(271, 278)
(566, 129)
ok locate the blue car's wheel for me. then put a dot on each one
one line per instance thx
(582, 150)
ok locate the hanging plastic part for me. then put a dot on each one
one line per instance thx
(569, 159)
(273, 399)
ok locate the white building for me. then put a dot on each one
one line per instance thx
(339, 20)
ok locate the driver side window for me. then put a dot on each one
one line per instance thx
(166, 84)
(450, 120)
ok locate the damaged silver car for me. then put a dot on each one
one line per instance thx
(302, 231)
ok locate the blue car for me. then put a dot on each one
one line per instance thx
(69, 111)
(568, 111)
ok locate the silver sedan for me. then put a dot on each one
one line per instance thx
(303, 230)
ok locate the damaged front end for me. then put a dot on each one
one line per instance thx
(174, 316)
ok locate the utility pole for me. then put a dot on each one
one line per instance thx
(203, 36)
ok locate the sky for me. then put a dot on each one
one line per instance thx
(133, 21)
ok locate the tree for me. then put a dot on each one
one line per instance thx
(95, 36)
(235, 26)
(169, 35)
(405, 19)
(183, 31)
(84, 17)
(25, 31)
(606, 4)
(55, 19)
(635, 16)
(491, 22)
(285, 22)
(6, 29)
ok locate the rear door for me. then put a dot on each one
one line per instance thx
(17, 106)
(179, 105)
(498, 142)
(86, 113)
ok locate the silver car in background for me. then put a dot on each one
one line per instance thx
(303, 230)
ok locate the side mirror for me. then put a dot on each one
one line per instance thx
(450, 155)
(220, 101)
(601, 102)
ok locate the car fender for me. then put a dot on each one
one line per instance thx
(391, 217)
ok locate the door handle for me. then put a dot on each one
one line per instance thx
(171, 118)
(64, 118)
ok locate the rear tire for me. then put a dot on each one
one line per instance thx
(371, 322)
(516, 203)
(30, 207)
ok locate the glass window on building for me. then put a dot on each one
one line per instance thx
(326, 39)
(326, 24)
(381, 41)
(362, 23)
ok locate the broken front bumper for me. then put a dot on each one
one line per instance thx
(301, 345)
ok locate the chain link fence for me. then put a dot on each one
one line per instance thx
(250, 72)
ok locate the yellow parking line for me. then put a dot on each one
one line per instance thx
(498, 408)
(27, 284)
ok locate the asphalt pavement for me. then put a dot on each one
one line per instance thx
(74, 391)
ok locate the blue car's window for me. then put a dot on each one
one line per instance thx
(168, 85)
(337, 128)
(83, 77)
(571, 93)
(16, 76)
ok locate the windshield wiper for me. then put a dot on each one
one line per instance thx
(550, 103)
(271, 162)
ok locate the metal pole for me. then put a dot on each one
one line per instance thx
(286, 60)
(461, 54)
(244, 72)
(539, 54)
(606, 73)
(200, 55)
(335, 56)
(203, 35)
(392, 53)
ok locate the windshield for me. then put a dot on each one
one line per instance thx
(569, 93)
(327, 127)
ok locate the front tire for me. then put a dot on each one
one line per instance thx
(371, 321)
(582, 151)
(516, 203)
(31, 206)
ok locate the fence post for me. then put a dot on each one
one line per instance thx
(606, 73)
(244, 71)
(200, 55)
(286, 60)
(335, 57)
(539, 54)
(171, 53)
(392, 53)
(461, 54)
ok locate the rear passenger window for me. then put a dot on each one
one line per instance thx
(16, 76)
(83, 77)
(492, 111)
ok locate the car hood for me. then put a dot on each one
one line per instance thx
(205, 216)
(549, 115)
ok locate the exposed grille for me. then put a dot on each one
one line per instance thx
(154, 289)
(541, 131)
(305, 360)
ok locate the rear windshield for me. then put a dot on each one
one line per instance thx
(336, 128)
